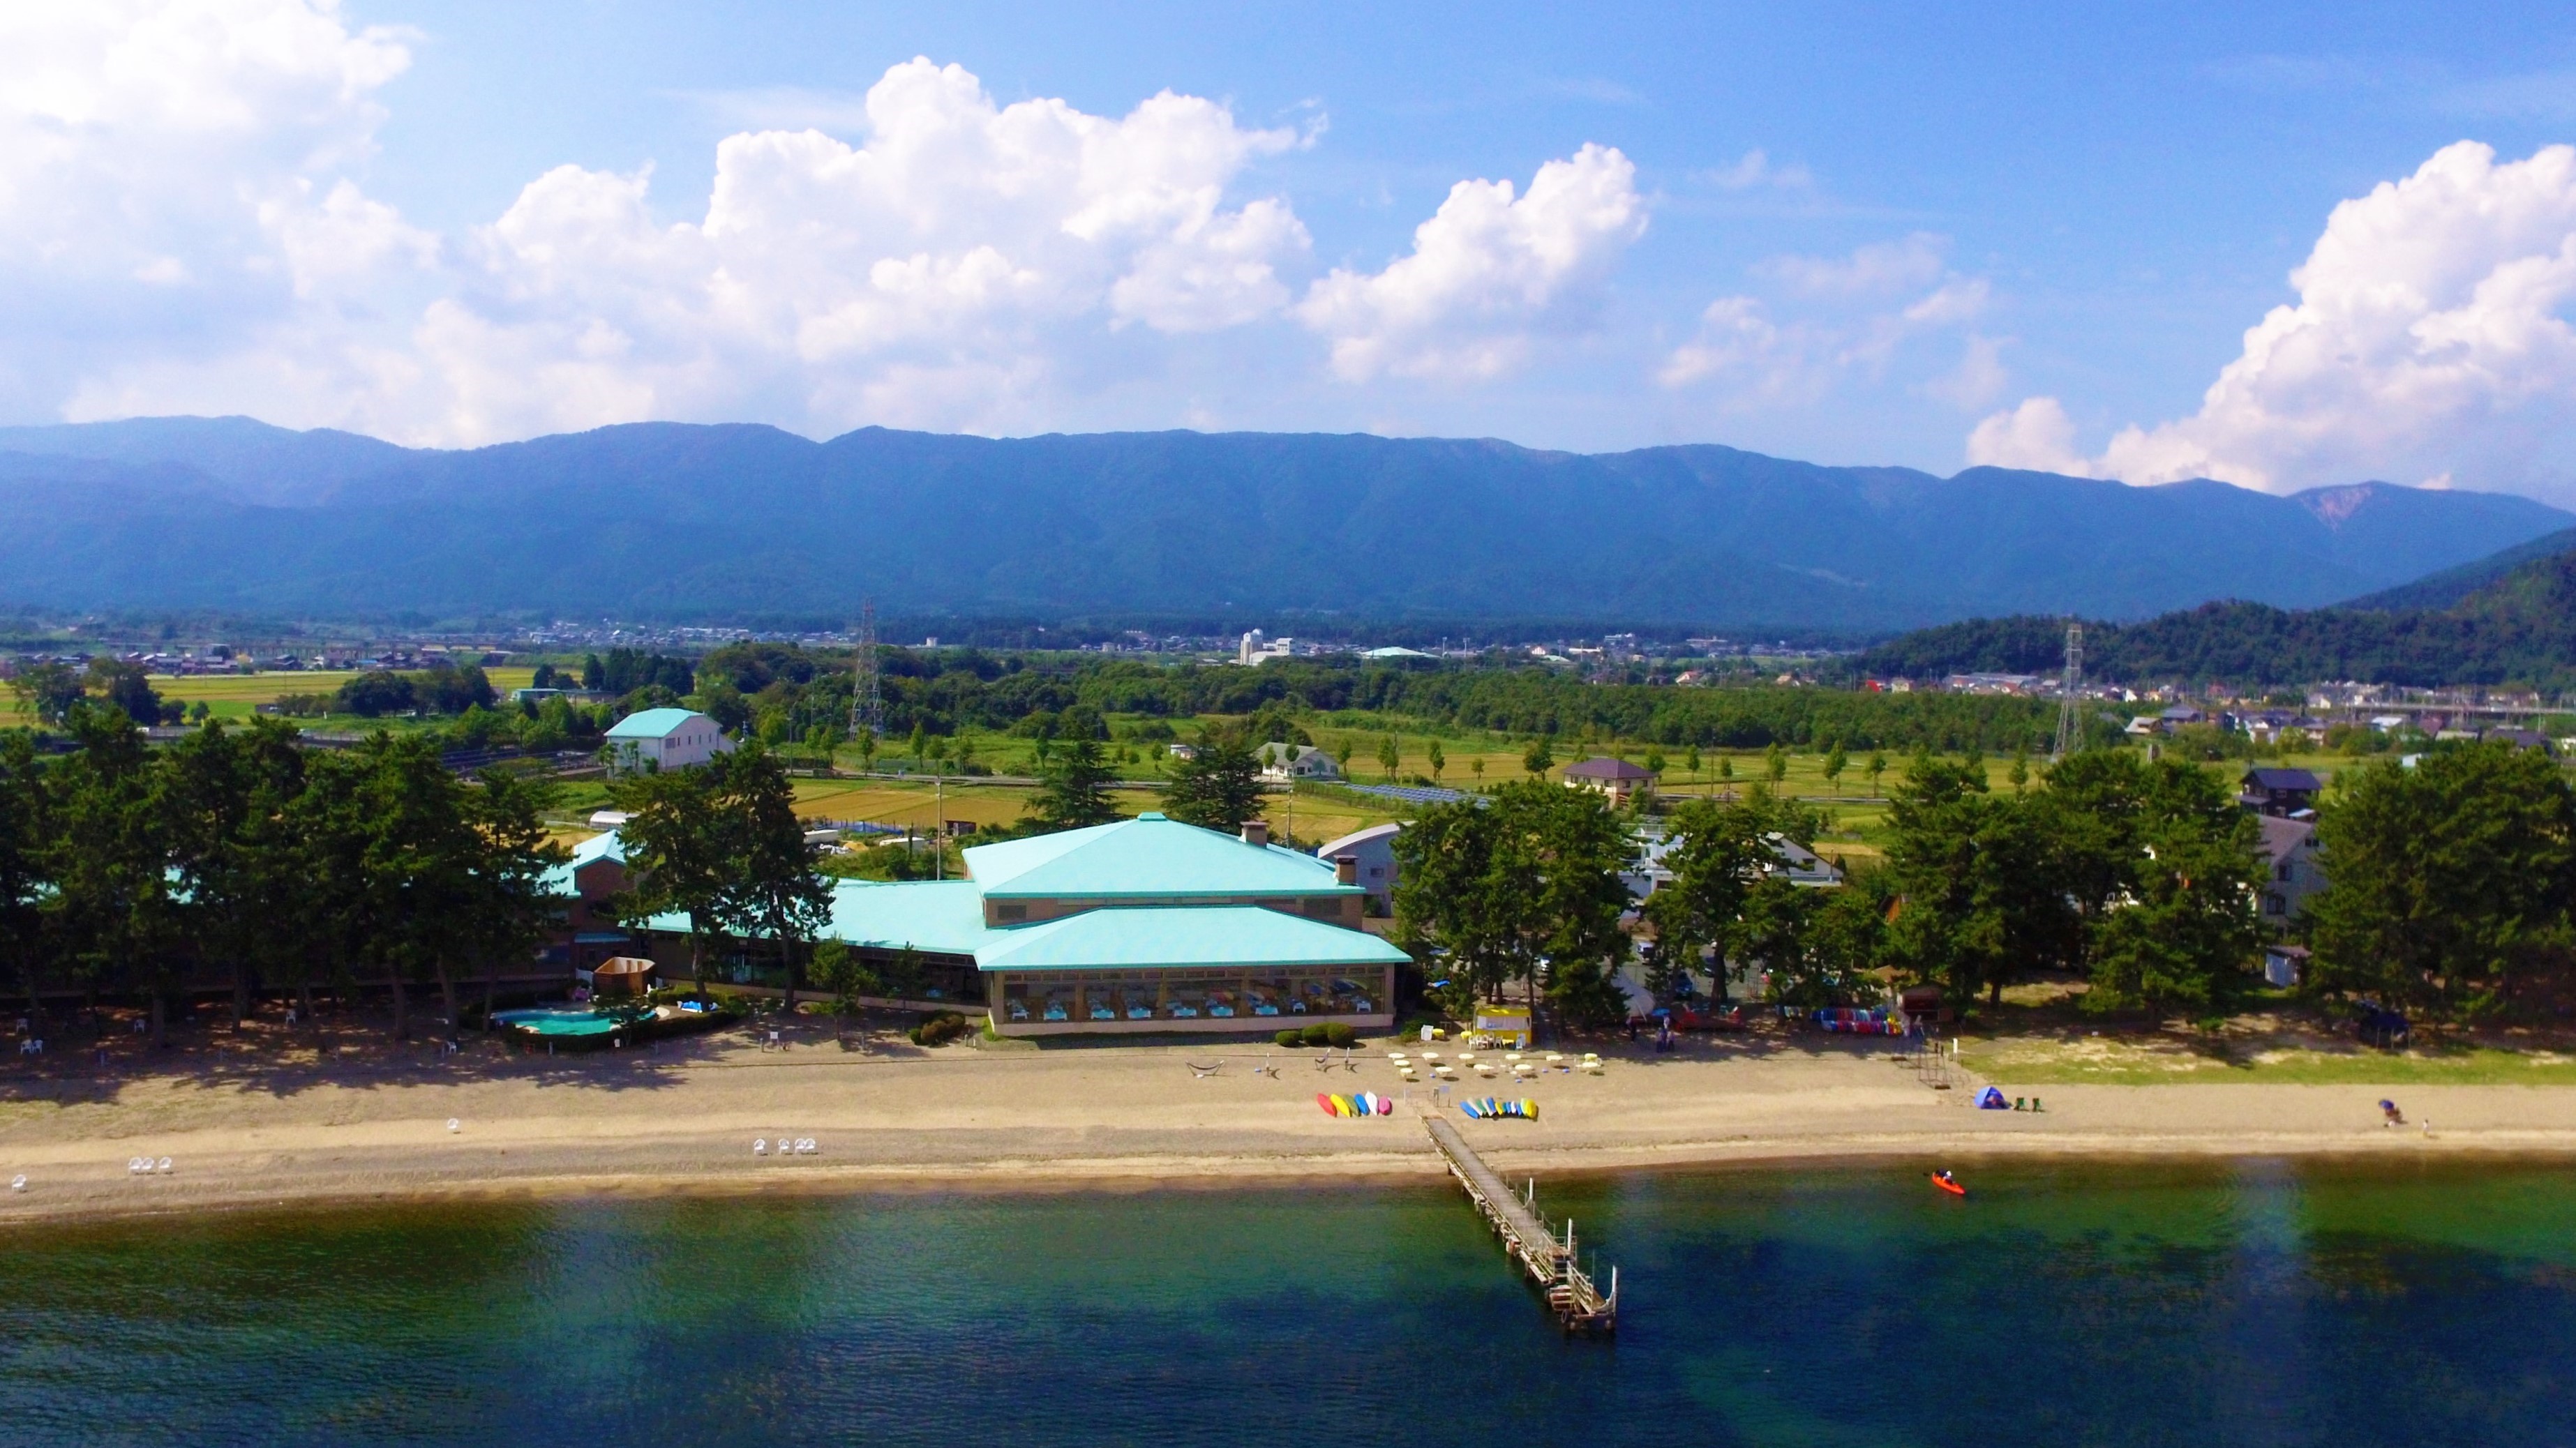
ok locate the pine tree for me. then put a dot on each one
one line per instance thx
(1076, 792)
(1219, 788)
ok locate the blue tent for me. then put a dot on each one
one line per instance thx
(1992, 1099)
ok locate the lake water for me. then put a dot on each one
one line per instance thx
(2236, 1303)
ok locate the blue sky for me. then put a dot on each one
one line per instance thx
(1856, 234)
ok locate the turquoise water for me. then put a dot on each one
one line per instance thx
(560, 1023)
(2250, 1303)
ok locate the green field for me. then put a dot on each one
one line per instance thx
(238, 696)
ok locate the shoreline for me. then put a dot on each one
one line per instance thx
(100, 1202)
(966, 1121)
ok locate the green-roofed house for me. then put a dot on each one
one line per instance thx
(1141, 925)
(664, 739)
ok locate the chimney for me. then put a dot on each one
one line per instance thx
(1346, 869)
(1256, 832)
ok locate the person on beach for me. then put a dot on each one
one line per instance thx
(2389, 1115)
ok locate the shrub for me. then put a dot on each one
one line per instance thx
(1317, 1034)
(1339, 1034)
(1290, 1038)
(939, 1030)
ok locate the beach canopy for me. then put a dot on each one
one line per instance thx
(1992, 1099)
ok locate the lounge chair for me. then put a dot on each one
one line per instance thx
(1140, 1013)
(1223, 1011)
(1055, 1013)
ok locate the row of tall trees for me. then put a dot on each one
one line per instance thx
(2142, 875)
(138, 870)
(2451, 884)
(1524, 889)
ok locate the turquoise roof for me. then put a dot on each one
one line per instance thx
(653, 723)
(1150, 937)
(944, 917)
(1147, 856)
(558, 878)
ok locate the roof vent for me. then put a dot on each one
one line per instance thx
(1256, 832)
(1152, 814)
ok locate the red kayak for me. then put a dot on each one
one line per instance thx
(1948, 1185)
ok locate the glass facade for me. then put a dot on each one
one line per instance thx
(1079, 998)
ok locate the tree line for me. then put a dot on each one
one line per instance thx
(137, 871)
(2142, 876)
(748, 686)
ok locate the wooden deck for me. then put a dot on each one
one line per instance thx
(1549, 1260)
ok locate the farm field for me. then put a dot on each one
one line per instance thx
(238, 696)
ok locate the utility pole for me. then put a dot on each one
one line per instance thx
(2070, 725)
(867, 700)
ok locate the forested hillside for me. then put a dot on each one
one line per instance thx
(2520, 628)
(679, 522)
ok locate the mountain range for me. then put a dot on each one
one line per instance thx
(678, 521)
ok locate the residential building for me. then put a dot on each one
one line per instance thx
(1790, 861)
(2292, 871)
(2275, 791)
(1372, 855)
(664, 739)
(1283, 763)
(1616, 778)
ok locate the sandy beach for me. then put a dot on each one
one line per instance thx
(885, 1115)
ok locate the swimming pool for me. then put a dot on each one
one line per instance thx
(561, 1023)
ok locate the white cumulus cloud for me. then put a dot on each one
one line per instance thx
(164, 176)
(188, 224)
(1487, 271)
(2429, 341)
(1851, 316)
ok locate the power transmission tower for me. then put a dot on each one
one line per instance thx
(867, 700)
(2070, 726)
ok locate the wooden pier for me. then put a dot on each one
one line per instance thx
(1579, 1304)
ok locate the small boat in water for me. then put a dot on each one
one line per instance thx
(1948, 1183)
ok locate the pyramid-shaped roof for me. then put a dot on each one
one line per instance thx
(1141, 937)
(1148, 856)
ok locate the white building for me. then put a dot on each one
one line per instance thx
(664, 739)
(1290, 762)
(1372, 855)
